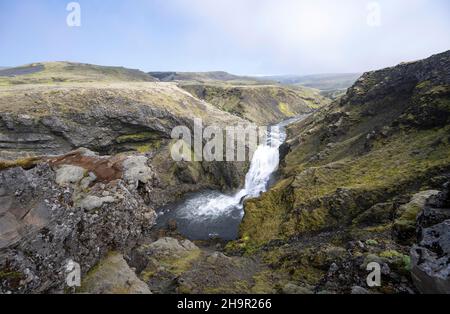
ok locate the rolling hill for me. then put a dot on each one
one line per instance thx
(66, 72)
(208, 77)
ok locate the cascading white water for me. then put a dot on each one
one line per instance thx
(214, 214)
(264, 163)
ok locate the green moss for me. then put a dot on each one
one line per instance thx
(147, 147)
(147, 274)
(424, 84)
(391, 254)
(89, 279)
(10, 275)
(263, 216)
(25, 163)
(175, 266)
(183, 264)
(262, 104)
(263, 283)
(371, 242)
(307, 274)
(400, 261)
(285, 109)
(137, 137)
(440, 89)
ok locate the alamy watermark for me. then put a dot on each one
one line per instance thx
(74, 17)
(374, 277)
(374, 14)
(73, 274)
(214, 143)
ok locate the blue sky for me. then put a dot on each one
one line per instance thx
(253, 37)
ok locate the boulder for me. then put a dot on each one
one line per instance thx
(291, 288)
(170, 247)
(92, 202)
(137, 170)
(431, 260)
(380, 213)
(113, 276)
(68, 174)
(405, 223)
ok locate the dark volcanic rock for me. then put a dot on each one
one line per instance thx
(431, 256)
(50, 215)
(431, 260)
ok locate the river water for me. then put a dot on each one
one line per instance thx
(212, 214)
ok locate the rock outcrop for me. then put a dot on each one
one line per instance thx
(68, 208)
(113, 276)
(169, 265)
(431, 255)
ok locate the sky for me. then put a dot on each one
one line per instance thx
(253, 37)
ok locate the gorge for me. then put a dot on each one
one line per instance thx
(212, 214)
(86, 176)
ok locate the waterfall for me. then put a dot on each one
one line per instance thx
(214, 214)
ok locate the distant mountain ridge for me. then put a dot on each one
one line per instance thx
(210, 76)
(324, 82)
(58, 72)
(331, 85)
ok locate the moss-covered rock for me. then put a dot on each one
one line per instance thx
(405, 223)
(112, 275)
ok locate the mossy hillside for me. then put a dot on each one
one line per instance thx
(360, 151)
(307, 261)
(113, 97)
(262, 104)
(285, 109)
(382, 173)
(264, 216)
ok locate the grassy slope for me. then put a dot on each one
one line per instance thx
(66, 72)
(263, 104)
(41, 88)
(39, 100)
(259, 100)
(388, 137)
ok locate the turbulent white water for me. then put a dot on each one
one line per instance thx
(211, 213)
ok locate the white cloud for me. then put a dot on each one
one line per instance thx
(320, 35)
